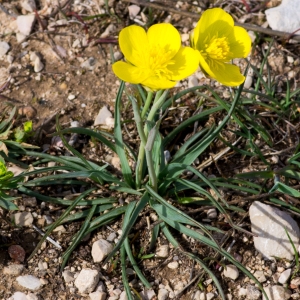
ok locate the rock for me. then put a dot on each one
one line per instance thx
(38, 66)
(87, 280)
(101, 249)
(89, 64)
(118, 55)
(104, 118)
(253, 293)
(193, 81)
(25, 23)
(31, 296)
(20, 37)
(268, 224)
(284, 276)
(260, 276)
(108, 31)
(60, 229)
(30, 201)
(17, 253)
(249, 79)
(162, 294)
(173, 265)
(147, 294)
(4, 47)
(276, 292)
(210, 296)
(123, 296)
(285, 17)
(14, 269)
(212, 213)
(97, 295)
(111, 237)
(133, 11)
(18, 296)
(28, 5)
(68, 276)
(162, 251)
(231, 271)
(23, 219)
(295, 281)
(29, 282)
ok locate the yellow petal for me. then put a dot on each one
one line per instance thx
(164, 38)
(213, 21)
(225, 73)
(129, 73)
(158, 83)
(240, 43)
(186, 62)
(133, 42)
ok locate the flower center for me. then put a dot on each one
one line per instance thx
(218, 48)
(159, 60)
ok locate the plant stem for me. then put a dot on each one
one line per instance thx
(158, 102)
(147, 103)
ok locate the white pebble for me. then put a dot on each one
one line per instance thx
(87, 280)
(173, 265)
(29, 282)
(101, 249)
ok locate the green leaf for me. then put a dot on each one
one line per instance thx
(283, 188)
(126, 171)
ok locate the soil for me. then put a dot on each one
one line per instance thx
(66, 89)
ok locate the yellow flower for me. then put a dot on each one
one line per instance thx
(154, 59)
(218, 41)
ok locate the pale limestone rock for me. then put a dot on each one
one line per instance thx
(97, 295)
(285, 17)
(28, 5)
(162, 294)
(276, 292)
(133, 11)
(4, 47)
(284, 276)
(14, 269)
(18, 296)
(23, 218)
(173, 265)
(87, 280)
(29, 282)
(268, 224)
(101, 249)
(25, 23)
(162, 251)
(231, 271)
(260, 276)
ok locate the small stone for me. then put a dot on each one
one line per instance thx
(14, 269)
(28, 5)
(101, 249)
(18, 296)
(284, 276)
(118, 55)
(193, 81)
(25, 23)
(295, 281)
(29, 282)
(162, 294)
(185, 37)
(60, 228)
(4, 47)
(163, 251)
(173, 265)
(38, 66)
(108, 31)
(21, 37)
(260, 276)
(87, 280)
(276, 292)
(23, 219)
(71, 97)
(269, 225)
(253, 293)
(31, 296)
(123, 296)
(30, 201)
(285, 17)
(231, 271)
(68, 276)
(210, 296)
(111, 237)
(133, 11)
(97, 295)
(17, 253)
(89, 64)
(104, 117)
(212, 213)
(147, 294)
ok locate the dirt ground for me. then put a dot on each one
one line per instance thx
(75, 83)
